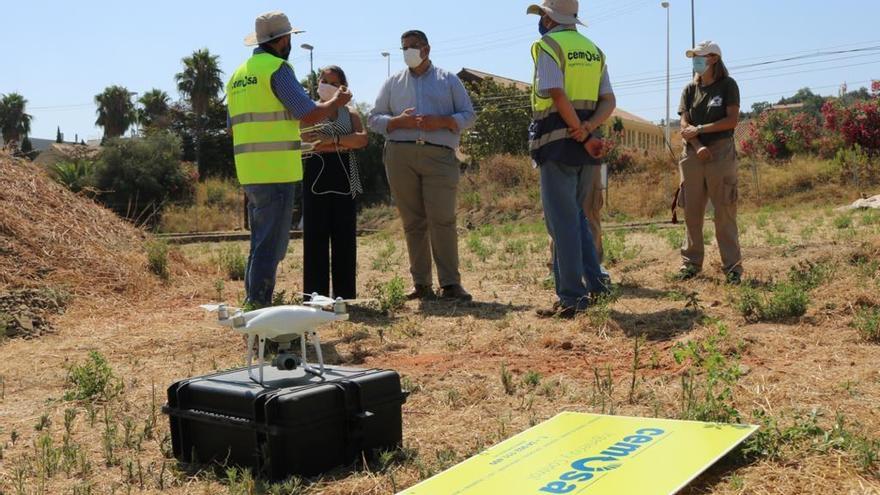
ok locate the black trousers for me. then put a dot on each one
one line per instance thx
(329, 228)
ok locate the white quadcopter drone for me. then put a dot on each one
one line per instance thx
(283, 324)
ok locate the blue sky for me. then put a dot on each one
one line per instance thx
(60, 54)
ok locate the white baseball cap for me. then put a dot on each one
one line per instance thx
(704, 48)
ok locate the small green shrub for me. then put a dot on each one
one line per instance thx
(788, 300)
(92, 380)
(708, 386)
(232, 261)
(73, 174)
(843, 221)
(390, 295)
(675, 237)
(782, 301)
(531, 379)
(157, 257)
(867, 322)
(616, 250)
(811, 275)
(516, 247)
(476, 245)
(385, 258)
(507, 380)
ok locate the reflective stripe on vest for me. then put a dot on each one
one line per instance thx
(578, 105)
(245, 118)
(265, 147)
(582, 65)
(545, 139)
(266, 137)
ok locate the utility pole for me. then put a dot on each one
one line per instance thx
(313, 78)
(665, 5)
(388, 59)
(693, 26)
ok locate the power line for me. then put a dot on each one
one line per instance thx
(756, 68)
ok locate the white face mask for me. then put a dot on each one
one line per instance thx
(412, 57)
(326, 91)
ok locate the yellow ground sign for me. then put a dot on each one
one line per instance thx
(592, 454)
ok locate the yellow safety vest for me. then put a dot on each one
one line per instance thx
(582, 64)
(266, 137)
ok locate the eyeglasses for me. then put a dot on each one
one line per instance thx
(418, 46)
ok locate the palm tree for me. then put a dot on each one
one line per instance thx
(154, 108)
(15, 124)
(116, 112)
(199, 84)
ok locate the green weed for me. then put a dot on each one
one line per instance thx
(844, 221)
(507, 380)
(391, 295)
(531, 379)
(232, 261)
(516, 247)
(385, 258)
(476, 245)
(675, 237)
(708, 386)
(762, 220)
(603, 390)
(810, 275)
(157, 257)
(92, 380)
(616, 249)
(867, 322)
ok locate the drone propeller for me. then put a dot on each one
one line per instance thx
(320, 301)
(213, 308)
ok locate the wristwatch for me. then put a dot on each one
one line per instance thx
(700, 129)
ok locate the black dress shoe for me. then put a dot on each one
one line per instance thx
(423, 292)
(455, 292)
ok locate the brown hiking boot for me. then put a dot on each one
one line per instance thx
(422, 292)
(558, 311)
(456, 292)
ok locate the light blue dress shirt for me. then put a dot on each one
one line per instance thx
(436, 92)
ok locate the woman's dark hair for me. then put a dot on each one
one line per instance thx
(339, 73)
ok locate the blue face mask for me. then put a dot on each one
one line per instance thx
(541, 28)
(700, 65)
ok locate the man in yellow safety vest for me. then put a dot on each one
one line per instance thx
(571, 99)
(266, 107)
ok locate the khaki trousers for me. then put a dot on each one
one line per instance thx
(701, 181)
(592, 204)
(424, 185)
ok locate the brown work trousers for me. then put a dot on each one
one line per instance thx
(592, 205)
(424, 185)
(715, 179)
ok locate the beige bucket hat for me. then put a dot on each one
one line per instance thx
(561, 11)
(270, 26)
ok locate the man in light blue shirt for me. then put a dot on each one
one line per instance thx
(421, 111)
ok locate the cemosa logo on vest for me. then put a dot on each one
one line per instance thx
(587, 56)
(608, 460)
(244, 82)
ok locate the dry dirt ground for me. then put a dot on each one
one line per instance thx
(482, 372)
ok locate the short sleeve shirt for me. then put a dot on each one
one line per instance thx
(708, 104)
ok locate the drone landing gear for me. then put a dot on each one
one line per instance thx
(285, 360)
